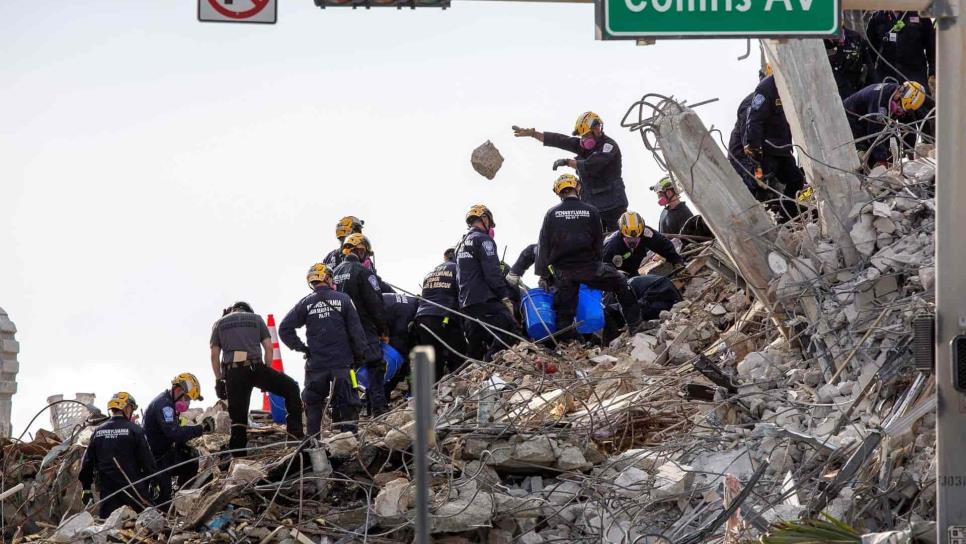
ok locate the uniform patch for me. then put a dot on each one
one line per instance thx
(607, 148)
(489, 247)
(648, 233)
(758, 101)
(168, 413)
(913, 19)
(374, 283)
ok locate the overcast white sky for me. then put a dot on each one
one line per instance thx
(153, 169)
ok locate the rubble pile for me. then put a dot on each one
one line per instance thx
(722, 419)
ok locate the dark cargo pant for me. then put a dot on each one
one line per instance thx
(449, 330)
(482, 344)
(240, 380)
(601, 276)
(344, 405)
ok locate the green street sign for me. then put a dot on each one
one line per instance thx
(635, 19)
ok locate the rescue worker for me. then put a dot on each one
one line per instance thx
(849, 57)
(169, 439)
(346, 226)
(904, 45)
(362, 286)
(676, 217)
(436, 323)
(483, 290)
(335, 341)
(736, 143)
(400, 314)
(238, 341)
(871, 110)
(598, 164)
(768, 144)
(571, 249)
(118, 455)
(627, 248)
(654, 294)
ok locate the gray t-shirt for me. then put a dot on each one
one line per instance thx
(239, 332)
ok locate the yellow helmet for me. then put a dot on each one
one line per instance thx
(586, 122)
(122, 400)
(478, 211)
(631, 224)
(912, 95)
(354, 241)
(318, 272)
(566, 181)
(348, 225)
(190, 384)
(768, 70)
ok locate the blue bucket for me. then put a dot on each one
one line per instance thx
(537, 308)
(277, 404)
(590, 310)
(394, 362)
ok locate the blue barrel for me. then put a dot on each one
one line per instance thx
(394, 362)
(537, 308)
(590, 310)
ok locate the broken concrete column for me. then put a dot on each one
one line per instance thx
(487, 160)
(9, 367)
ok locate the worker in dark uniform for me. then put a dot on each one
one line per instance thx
(118, 455)
(849, 57)
(768, 144)
(654, 295)
(334, 343)
(362, 286)
(483, 290)
(400, 315)
(598, 165)
(627, 248)
(872, 110)
(571, 249)
(438, 299)
(346, 226)
(676, 217)
(904, 45)
(169, 439)
(524, 261)
(238, 341)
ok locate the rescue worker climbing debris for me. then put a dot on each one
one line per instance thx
(436, 323)
(768, 144)
(571, 250)
(362, 286)
(627, 248)
(400, 315)
(169, 439)
(118, 454)
(238, 341)
(483, 290)
(346, 226)
(334, 343)
(904, 46)
(872, 113)
(598, 164)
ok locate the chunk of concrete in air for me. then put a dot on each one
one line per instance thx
(487, 160)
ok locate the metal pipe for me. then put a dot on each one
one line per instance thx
(423, 362)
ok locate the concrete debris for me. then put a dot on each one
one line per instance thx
(486, 160)
(721, 401)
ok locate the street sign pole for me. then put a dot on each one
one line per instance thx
(950, 279)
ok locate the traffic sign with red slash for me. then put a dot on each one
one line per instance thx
(238, 11)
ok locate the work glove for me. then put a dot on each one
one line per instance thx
(523, 132)
(87, 497)
(752, 152)
(221, 389)
(560, 162)
(544, 283)
(509, 305)
(383, 338)
(618, 260)
(306, 355)
(208, 425)
(513, 279)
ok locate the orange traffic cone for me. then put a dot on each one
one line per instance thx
(268, 400)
